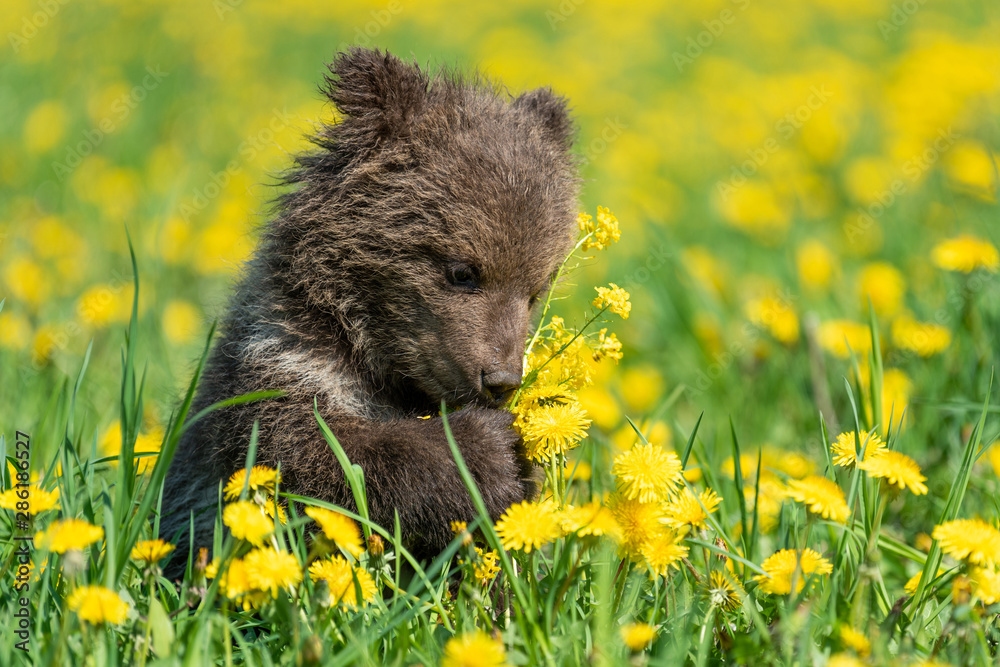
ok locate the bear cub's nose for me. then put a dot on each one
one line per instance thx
(499, 386)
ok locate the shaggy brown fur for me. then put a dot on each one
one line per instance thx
(402, 271)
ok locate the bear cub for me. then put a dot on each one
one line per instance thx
(402, 270)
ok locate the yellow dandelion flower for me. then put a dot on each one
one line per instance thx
(723, 591)
(639, 522)
(972, 540)
(262, 479)
(614, 298)
(592, 518)
(151, 551)
(38, 499)
(986, 585)
(844, 660)
(474, 649)
(271, 569)
(459, 527)
(913, 582)
(637, 636)
(884, 285)
(768, 503)
(663, 551)
(339, 576)
(97, 604)
(528, 525)
(965, 254)
(776, 316)
(235, 581)
(844, 450)
(554, 429)
(268, 504)
(781, 566)
(816, 264)
(840, 337)
(684, 510)
(897, 470)
(923, 338)
(855, 640)
(341, 529)
(67, 535)
(647, 473)
(821, 495)
(247, 521)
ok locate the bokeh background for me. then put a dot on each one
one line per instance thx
(773, 165)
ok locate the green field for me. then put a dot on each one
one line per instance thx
(807, 197)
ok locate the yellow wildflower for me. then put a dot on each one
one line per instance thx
(972, 540)
(723, 592)
(605, 231)
(529, 525)
(884, 285)
(262, 478)
(67, 535)
(816, 265)
(965, 254)
(614, 298)
(554, 429)
(986, 582)
(339, 576)
(474, 649)
(592, 518)
(247, 521)
(923, 338)
(840, 337)
(896, 469)
(845, 450)
(486, 567)
(639, 522)
(684, 509)
(97, 604)
(781, 566)
(855, 640)
(151, 551)
(341, 529)
(647, 472)
(637, 636)
(775, 315)
(821, 495)
(271, 569)
(662, 551)
(38, 499)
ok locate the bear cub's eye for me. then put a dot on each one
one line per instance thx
(463, 275)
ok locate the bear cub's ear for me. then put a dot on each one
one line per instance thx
(377, 92)
(552, 111)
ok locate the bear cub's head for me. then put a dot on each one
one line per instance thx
(430, 223)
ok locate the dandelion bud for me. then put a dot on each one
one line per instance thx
(376, 547)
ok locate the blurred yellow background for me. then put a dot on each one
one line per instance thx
(770, 163)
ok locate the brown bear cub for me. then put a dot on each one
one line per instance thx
(402, 271)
